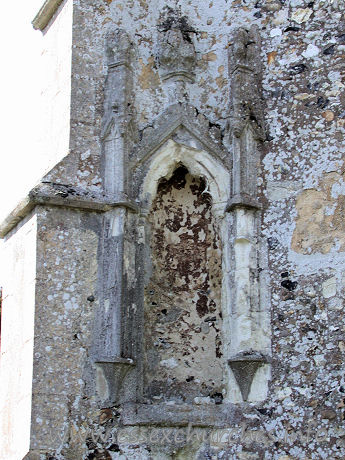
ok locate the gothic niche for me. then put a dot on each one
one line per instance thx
(183, 319)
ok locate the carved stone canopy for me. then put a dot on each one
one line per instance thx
(175, 55)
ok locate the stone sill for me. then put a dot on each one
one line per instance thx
(45, 14)
(163, 414)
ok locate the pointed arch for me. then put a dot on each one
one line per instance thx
(198, 162)
(175, 118)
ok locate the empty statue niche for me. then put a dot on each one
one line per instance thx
(183, 319)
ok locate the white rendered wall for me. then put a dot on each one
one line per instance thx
(17, 340)
(35, 96)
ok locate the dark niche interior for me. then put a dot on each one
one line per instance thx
(183, 320)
